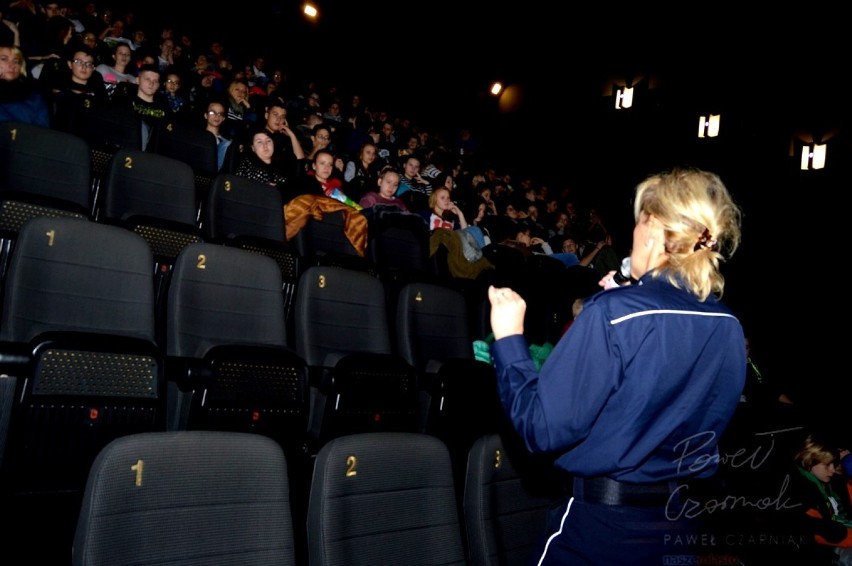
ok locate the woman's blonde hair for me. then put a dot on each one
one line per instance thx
(813, 452)
(234, 84)
(16, 53)
(701, 224)
(433, 197)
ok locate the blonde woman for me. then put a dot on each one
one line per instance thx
(443, 212)
(20, 101)
(633, 398)
(242, 116)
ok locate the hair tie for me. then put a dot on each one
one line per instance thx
(706, 241)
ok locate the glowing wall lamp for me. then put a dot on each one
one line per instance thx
(708, 126)
(626, 89)
(811, 148)
(624, 97)
(310, 11)
(496, 88)
(813, 156)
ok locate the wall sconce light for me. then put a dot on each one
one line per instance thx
(813, 156)
(310, 11)
(496, 88)
(708, 126)
(624, 98)
(627, 88)
(811, 147)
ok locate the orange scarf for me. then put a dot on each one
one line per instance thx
(300, 209)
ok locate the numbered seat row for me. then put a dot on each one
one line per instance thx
(87, 357)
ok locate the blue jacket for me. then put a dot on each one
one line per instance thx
(639, 389)
(32, 109)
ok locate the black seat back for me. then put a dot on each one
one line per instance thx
(384, 498)
(186, 498)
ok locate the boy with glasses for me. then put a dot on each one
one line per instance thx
(213, 117)
(76, 92)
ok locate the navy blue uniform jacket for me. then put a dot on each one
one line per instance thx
(639, 389)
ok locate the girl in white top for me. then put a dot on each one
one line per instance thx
(120, 71)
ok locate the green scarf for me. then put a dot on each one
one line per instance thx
(831, 498)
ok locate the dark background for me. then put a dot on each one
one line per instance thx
(774, 75)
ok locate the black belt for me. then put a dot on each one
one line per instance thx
(607, 491)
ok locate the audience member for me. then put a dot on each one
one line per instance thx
(288, 150)
(355, 106)
(505, 225)
(242, 116)
(113, 33)
(443, 213)
(824, 490)
(434, 162)
(77, 92)
(165, 56)
(28, 20)
(213, 118)
(147, 101)
(51, 44)
(320, 140)
(445, 179)
(179, 107)
(476, 213)
(385, 196)
(139, 40)
(305, 128)
(9, 33)
(120, 71)
(355, 132)
(559, 228)
(201, 65)
(220, 57)
(361, 173)
(413, 188)
(20, 100)
(584, 257)
(332, 114)
(322, 180)
(523, 239)
(185, 53)
(483, 189)
(595, 230)
(387, 142)
(207, 86)
(409, 146)
(277, 87)
(534, 222)
(466, 145)
(259, 165)
(312, 100)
